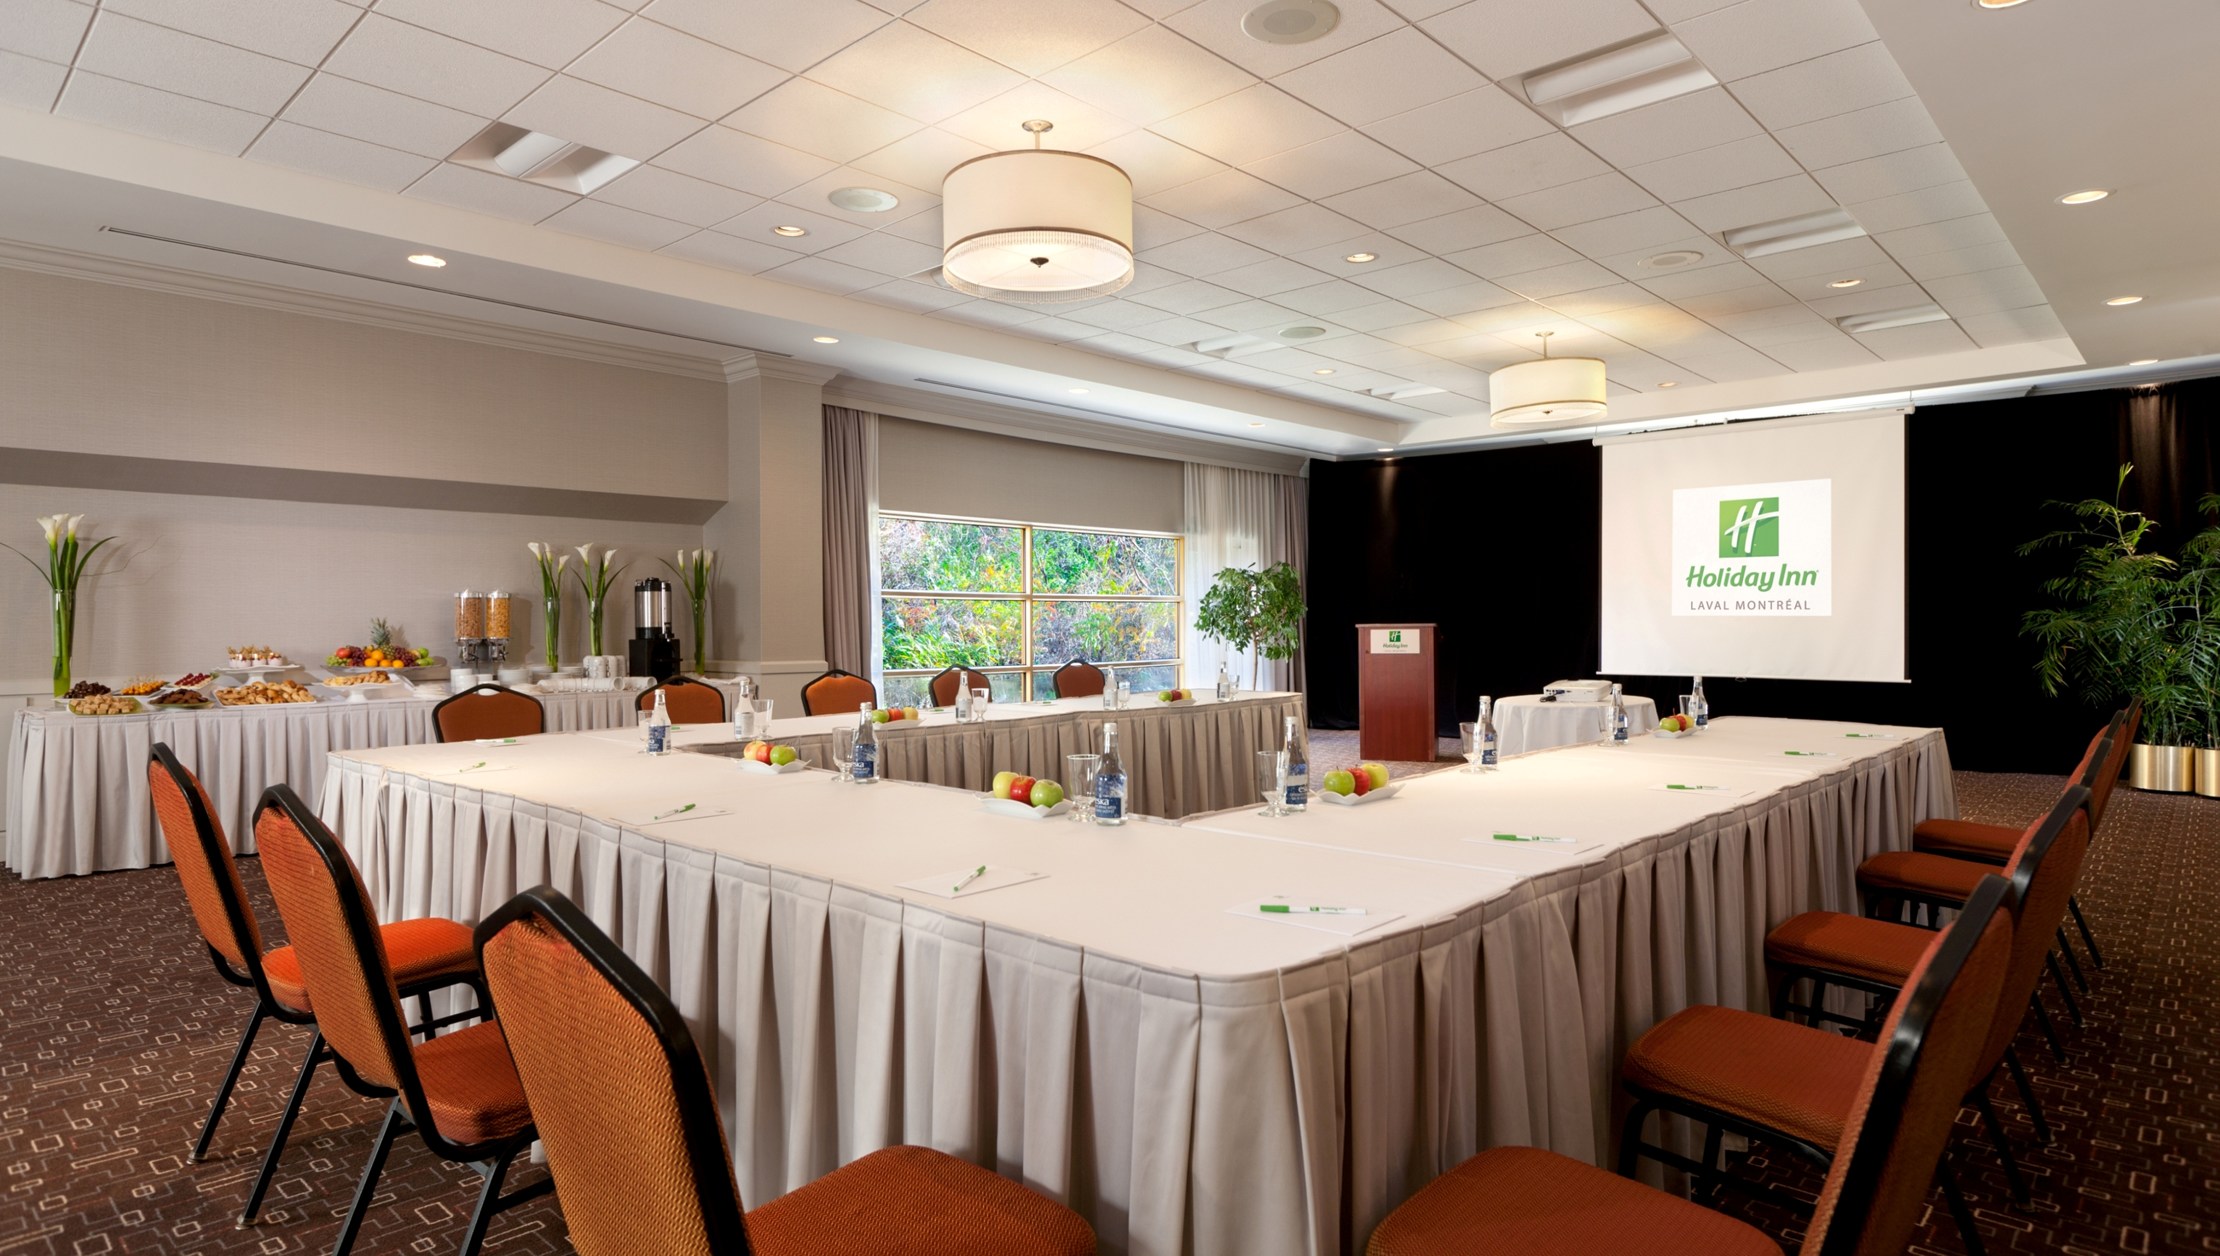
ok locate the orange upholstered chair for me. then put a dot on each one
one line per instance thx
(1078, 679)
(1860, 953)
(1536, 1203)
(633, 1141)
(942, 687)
(837, 691)
(488, 711)
(427, 955)
(458, 1091)
(689, 701)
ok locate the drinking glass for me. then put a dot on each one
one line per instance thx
(843, 752)
(1271, 780)
(1688, 708)
(1079, 785)
(979, 699)
(751, 718)
(645, 716)
(1468, 737)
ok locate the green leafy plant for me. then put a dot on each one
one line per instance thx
(2198, 601)
(596, 578)
(1257, 612)
(696, 571)
(551, 598)
(64, 569)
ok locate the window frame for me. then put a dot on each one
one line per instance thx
(1027, 598)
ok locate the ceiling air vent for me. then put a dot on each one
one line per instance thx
(1882, 320)
(1644, 72)
(537, 157)
(1800, 232)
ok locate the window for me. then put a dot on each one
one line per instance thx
(1016, 602)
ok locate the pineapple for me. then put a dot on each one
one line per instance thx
(381, 644)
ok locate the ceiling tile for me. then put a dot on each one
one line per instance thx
(1764, 328)
(1253, 316)
(992, 314)
(816, 272)
(753, 165)
(1833, 260)
(913, 296)
(300, 31)
(1248, 125)
(681, 198)
(1299, 227)
(1268, 278)
(790, 36)
(163, 115)
(1730, 366)
(1881, 273)
(1655, 229)
(921, 159)
(1604, 196)
(345, 107)
(1336, 164)
(1421, 194)
(915, 72)
(1222, 199)
(1152, 227)
(1907, 170)
(1460, 126)
(1411, 278)
(1203, 255)
(1415, 10)
(1923, 341)
(816, 119)
(1548, 161)
(49, 30)
(428, 66)
(998, 123)
(1822, 354)
(1112, 315)
(29, 83)
(824, 230)
(1986, 291)
(1323, 299)
(589, 114)
(1515, 256)
(503, 197)
(1175, 331)
(1760, 202)
(1154, 163)
(1963, 261)
(549, 33)
(1030, 36)
(1722, 169)
(1941, 237)
(1189, 296)
(2013, 327)
(1861, 133)
(1396, 73)
(1334, 258)
(1837, 83)
(1758, 296)
(1760, 35)
(1630, 264)
(1553, 281)
(923, 227)
(1465, 229)
(1674, 285)
(1586, 301)
(1869, 301)
(1504, 38)
(338, 157)
(888, 255)
(1149, 76)
(1059, 330)
(1428, 330)
(155, 56)
(673, 68)
(1379, 315)
(1684, 124)
(1682, 10)
(731, 252)
(1216, 25)
(1912, 209)
(618, 225)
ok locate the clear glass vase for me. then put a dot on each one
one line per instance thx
(593, 625)
(553, 608)
(65, 637)
(701, 637)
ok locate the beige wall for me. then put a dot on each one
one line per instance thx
(933, 469)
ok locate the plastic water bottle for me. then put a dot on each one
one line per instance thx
(1697, 706)
(1298, 767)
(1225, 682)
(866, 762)
(1617, 721)
(1484, 733)
(1110, 780)
(659, 726)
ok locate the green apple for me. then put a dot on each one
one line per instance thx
(881, 716)
(1341, 781)
(1377, 773)
(1047, 793)
(1001, 786)
(782, 755)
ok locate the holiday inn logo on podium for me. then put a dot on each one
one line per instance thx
(1750, 527)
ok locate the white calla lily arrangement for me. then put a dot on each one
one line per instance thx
(552, 566)
(596, 576)
(66, 560)
(695, 570)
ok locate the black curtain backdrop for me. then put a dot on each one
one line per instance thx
(1500, 548)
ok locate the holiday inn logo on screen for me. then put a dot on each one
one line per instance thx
(1754, 550)
(1750, 527)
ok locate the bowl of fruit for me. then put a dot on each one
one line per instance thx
(382, 652)
(1176, 697)
(1025, 798)
(1676, 726)
(771, 759)
(1351, 787)
(896, 715)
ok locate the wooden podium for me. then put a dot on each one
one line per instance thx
(1395, 692)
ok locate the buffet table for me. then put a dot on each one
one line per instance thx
(1126, 1034)
(1524, 723)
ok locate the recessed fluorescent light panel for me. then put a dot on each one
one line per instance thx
(1232, 346)
(1399, 392)
(1630, 76)
(1800, 232)
(1882, 320)
(538, 157)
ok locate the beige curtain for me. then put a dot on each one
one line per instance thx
(851, 538)
(1235, 518)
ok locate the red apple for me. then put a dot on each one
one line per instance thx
(1362, 780)
(1021, 790)
(762, 752)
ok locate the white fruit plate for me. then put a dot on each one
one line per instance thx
(1024, 810)
(1357, 800)
(766, 769)
(1669, 735)
(1161, 703)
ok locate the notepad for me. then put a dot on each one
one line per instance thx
(943, 884)
(1343, 926)
(641, 819)
(1703, 791)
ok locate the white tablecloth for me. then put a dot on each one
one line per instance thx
(1524, 723)
(1188, 1078)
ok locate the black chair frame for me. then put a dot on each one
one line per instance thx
(483, 688)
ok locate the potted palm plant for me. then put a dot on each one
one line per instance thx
(2198, 634)
(1258, 612)
(2117, 634)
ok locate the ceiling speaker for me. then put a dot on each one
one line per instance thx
(1290, 21)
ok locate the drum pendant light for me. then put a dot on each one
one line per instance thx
(1546, 390)
(1037, 225)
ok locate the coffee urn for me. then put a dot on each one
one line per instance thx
(654, 646)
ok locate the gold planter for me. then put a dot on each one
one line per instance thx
(2208, 773)
(2163, 769)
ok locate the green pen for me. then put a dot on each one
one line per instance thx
(1809, 754)
(1696, 787)
(1323, 911)
(1516, 837)
(472, 768)
(500, 741)
(978, 873)
(679, 811)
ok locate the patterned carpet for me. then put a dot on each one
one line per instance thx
(116, 1032)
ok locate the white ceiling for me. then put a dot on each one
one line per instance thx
(1257, 167)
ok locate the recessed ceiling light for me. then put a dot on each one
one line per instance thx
(1668, 383)
(790, 231)
(2087, 196)
(1258, 424)
(1846, 283)
(1362, 257)
(432, 260)
(863, 200)
(1077, 392)
(1667, 261)
(1385, 449)
(1290, 21)
(1323, 370)
(2123, 300)
(826, 340)
(2144, 362)
(1302, 332)
(1998, 4)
